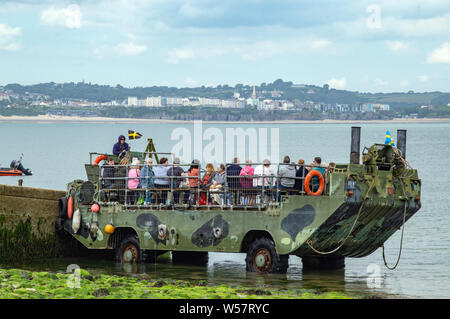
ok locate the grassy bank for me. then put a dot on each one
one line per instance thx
(17, 283)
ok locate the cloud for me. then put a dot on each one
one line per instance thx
(7, 36)
(177, 55)
(398, 46)
(418, 27)
(423, 78)
(338, 84)
(121, 49)
(320, 44)
(191, 82)
(404, 83)
(129, 49)
(380, 82)
(440, 55)
(69, 17)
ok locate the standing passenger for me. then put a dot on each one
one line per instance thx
(287, 173)
(233, 170)
(300, 174)
(176, 173)
(317, 167)
(133, 181)
(147, 180)
(265, 173)
(247, 183)
(193, 173)
(161, 179)
(263, 182)
(121, 173)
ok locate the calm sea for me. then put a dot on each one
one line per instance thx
(56, 153)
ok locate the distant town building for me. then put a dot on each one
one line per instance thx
(374, 107)
(4, 97)
(132, 101)
(152, 101)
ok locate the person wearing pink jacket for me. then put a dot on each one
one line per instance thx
(133, 180)
(248, 170)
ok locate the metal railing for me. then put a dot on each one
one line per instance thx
(257, 191)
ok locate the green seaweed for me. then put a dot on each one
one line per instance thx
(23, 284)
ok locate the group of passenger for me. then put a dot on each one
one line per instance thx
(149, 184)
(173, 185)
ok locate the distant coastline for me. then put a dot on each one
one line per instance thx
(57, 118)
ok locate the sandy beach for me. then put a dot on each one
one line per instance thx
(54, 118)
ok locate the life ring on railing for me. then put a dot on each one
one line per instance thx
(308, 177)
(99, 159)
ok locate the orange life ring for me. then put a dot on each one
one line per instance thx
(308, 177)
(99, 159)
(70, 207)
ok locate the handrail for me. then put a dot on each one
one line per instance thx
(268, 188)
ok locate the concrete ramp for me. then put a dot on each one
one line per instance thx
(27, 224)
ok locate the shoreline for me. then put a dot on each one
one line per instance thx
(56, 118)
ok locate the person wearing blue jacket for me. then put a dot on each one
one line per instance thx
(147, 180)
(121, 147)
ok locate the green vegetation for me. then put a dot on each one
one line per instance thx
(436, 112)
(17, 283)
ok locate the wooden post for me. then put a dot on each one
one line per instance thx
(355, 145)
(401, 142)
(20, 182)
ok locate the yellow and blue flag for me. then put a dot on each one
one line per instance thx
(389, 140)
(133, 135)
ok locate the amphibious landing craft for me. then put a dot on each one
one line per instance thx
(348, 211)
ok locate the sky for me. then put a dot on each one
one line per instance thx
(366, 46)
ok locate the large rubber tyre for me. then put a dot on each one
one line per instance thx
(62, 208)
(129, 251)
(263, 258)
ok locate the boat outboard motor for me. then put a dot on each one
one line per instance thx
(18, 165)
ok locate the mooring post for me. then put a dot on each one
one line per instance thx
(401, 142)
(20, 182)
(355, 145)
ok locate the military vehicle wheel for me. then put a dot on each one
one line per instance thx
(262, 257)
(129, 251)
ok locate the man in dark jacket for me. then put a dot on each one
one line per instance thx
(120, 148)
(301, 173)
(233, 170)
(233, 182)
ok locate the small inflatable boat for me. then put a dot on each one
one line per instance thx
(10, 172)
(15, 169)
